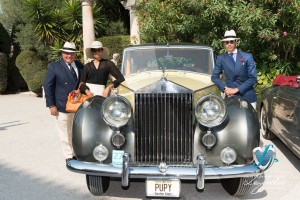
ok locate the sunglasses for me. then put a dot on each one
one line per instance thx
(230, 41)
(97, 50)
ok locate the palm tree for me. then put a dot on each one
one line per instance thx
(56, 22)
(46, 22)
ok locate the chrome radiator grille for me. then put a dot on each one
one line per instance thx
(163, 127)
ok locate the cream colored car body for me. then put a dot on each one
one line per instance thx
(200, 84)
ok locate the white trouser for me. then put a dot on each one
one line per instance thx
(64, 123)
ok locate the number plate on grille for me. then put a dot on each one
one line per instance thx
(163, 187)
(117, 157)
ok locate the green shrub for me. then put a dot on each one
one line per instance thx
(268, 29)
(3, 72)
(33, 68)
(116, 28)
(268, 71)
(116, 44)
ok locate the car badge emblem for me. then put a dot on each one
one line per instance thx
(163, 167)
(264, 157)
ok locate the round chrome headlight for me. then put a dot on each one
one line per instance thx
(210, 110)
(116, 111)
(100, 152)
(228, 155)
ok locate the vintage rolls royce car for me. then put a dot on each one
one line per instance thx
(165, 123)
(279, 110)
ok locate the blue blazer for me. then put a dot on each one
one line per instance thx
(59, 82)
(242, 75)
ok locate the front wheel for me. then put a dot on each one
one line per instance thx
(265, 132)
(97, 185)
(238, 186)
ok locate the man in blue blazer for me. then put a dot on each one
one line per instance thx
(238, 68)
(62, 77)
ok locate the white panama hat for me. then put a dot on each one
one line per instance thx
(230, 35)
(98, 45)
(69, 47)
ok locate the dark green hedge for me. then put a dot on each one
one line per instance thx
(33, 69)
(3, 72)
(15, 81)
(4, 40)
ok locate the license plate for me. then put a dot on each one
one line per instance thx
(163, 187)
(117, 157)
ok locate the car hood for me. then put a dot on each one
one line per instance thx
(189, 80)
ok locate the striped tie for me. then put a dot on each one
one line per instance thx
(73, 72)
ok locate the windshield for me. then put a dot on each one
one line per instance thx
(187, 58)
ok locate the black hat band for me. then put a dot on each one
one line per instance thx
(230, 36)
(66, 48)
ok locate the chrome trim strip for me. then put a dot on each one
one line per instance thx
(125, 171)
(200, 172)
(188, 173)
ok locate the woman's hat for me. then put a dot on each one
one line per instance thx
(230, 35)
(98, 45)
(69, 47)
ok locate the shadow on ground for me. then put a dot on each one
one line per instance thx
(287, 153)
(4, 126)
(16, 184)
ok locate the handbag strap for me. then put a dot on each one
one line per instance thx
(78, 89)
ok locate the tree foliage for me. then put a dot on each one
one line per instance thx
(268, 29)
(114, 12)
(46, 24)
(11, 13)
(42, 26)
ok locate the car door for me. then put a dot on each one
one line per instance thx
(286, 117)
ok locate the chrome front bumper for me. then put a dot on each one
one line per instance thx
(199, 173)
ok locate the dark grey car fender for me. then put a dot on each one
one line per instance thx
(90, 130)
(239, 130)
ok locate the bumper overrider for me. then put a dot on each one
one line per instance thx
(199, 173)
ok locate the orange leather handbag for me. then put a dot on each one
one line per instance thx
(75, 99)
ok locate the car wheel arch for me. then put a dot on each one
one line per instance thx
(264, 119)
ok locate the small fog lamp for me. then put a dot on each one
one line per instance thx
(100, 153)
(118, 139)
(209, 140)
(228, 155)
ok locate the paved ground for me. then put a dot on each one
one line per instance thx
(32, 166)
